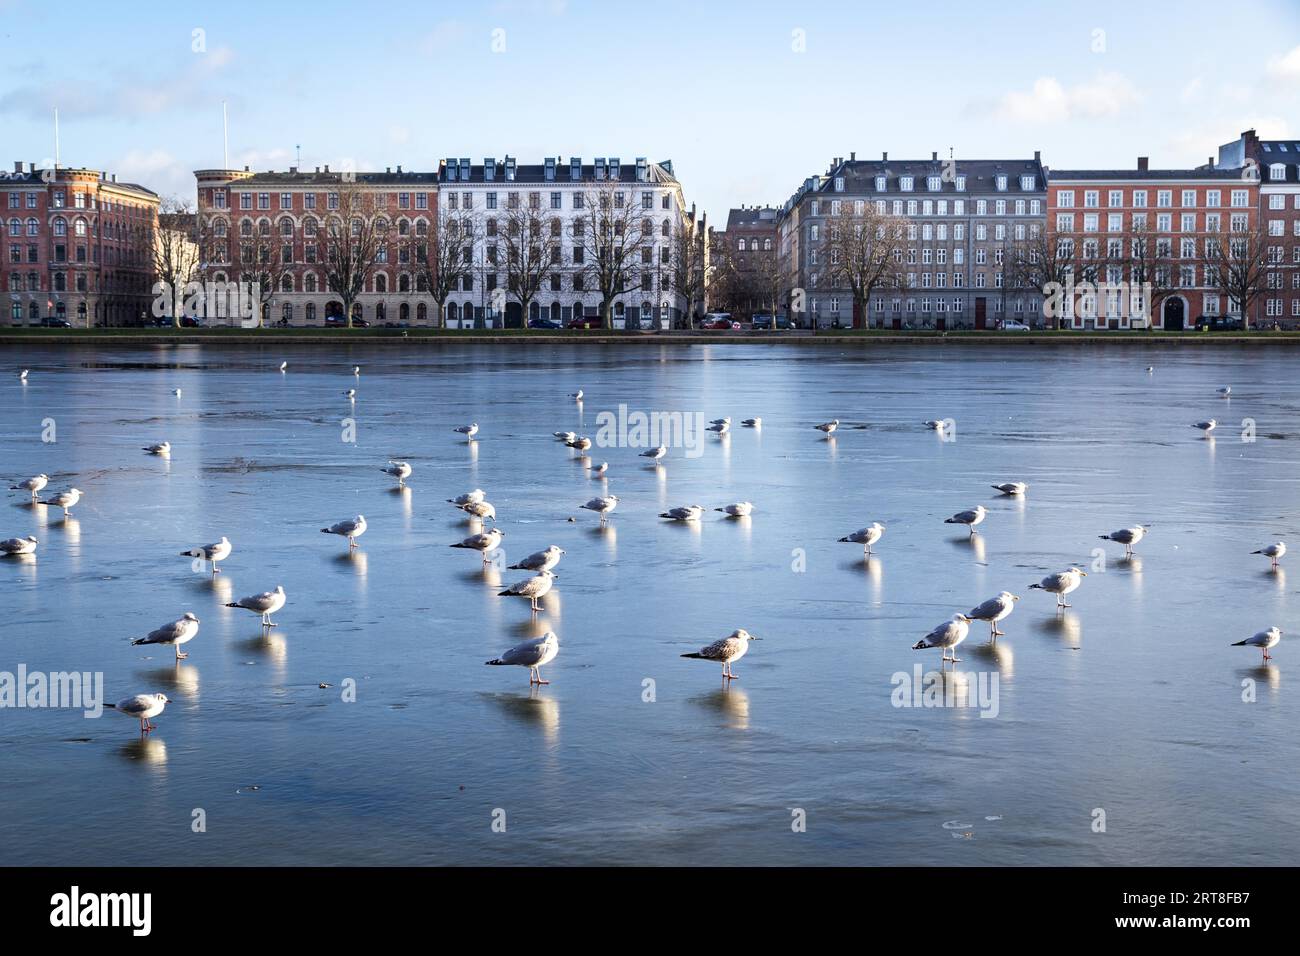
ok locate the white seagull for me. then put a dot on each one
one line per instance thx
(684, 513)
(481, 510)
(582, 444)
(946, 636)
(565, 437)
(162, 449)
(1207, 426)
(1012, 487)
(178, 632)
(721, 421)
(740, 509)
(283, 366)
(1273, 552)
(142, 707)
(655, 453)
(25, 545)
(727, 650)
(356, 371)
(350, 528)
(720, 428)
(176, 392)
(1225, 391)
(866, 536)
(532, 654)
(34, 484)
(22, 376)
(752, 422)
(1061, 584)
(1126, 536)
(67, 500)
(1263, 640)
(599, 470)
(542, 560)
(350, 394)
(265, 604)
(969, 518)
(400, 470)
(576, 396)
(935, 424)
(469, 431)
(211, 553)
(602, 505)
(532, 588)
(461, 500)
(483, 543)
(994, 610)
(828, 427)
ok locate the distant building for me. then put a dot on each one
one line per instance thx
(746, 256)
(76, 245)
(1111, 220)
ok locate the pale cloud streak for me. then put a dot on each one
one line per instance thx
(1049, 101)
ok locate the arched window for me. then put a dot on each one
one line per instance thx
(380, 312)
(663, 230)
(311, 312)
(60, 283)
(219, 228)
(286, 283)
(33, 227)
(421, 227)
(246, 227)
(309, 282)
(286, 312)
(381, 282)
(740, 246)
(60, 226)
(403, 227)
(453, 312)
(421, 313)
(767, 245)
(404, 313)
(404, 283)
(264, 227)
(309, 227)
(286, 227)
(79, 228)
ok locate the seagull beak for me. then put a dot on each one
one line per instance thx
(1015, 597)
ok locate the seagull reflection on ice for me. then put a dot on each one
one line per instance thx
(149, 751)
(356, 560)
(1067, 626)
(999, 652)
(535, 708)
(731, 702)
(181, 677)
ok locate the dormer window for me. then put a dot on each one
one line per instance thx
(550, 169)
(839, 184)
(1002, 183)
(575, 168)
(614, 168)
(1277, 171)
(905, 183)
(880, 184)
(1027, 183)
(489, 169)
(961, 184)
(933, 183)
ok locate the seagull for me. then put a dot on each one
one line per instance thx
(540, 560)
(351, 528)
(211, 553)
(532, 588)
(655, 453)
(483, 543)
(1263, 640)
(176, 633)
(1207, 426)
(400, 470)
(685, 513)
(162, 449)
(461, 500)
(350, 394)
(828, 427)
(741, 509)
(599, 470)
(481, 510)
(565, 437)
(866, 536)
(1150, 369)
(356, 371)
(469, 431)
(752, 422)
(946, 636)
(25, 545)
(1012, 487)
(33, 484)
(994, 610)
(22, 376)
(1273, 552)
(721, 421)
(728, 649)
(1225, 391)
(176, 392)
(720, 427)
(142, 707)
(602, 505)
(532, 654)
(1126, 536)
(1061, 584)
(265, 604)
(576, 396)
(935, 424)
(582, 444)
(67, 500)
(969, 518)
(283, 366)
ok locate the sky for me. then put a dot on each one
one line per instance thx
(746, 98)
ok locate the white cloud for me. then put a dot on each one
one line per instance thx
(1048, 101)
(1286, 66)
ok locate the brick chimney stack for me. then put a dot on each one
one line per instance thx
(1142, 164)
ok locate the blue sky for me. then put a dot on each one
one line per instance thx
(720, 88)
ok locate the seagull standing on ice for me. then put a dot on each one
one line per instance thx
(969, 518)
(1263, 640)
(1012, 488)
(1061, 584)
(828, 427)
(540, 560)
(351, 528)
(178, 632)
(866, 536)
(25, 545)
(532, 588)
(461, 500)
(350, 394)
(599, 470)
(211, 553)
(483, 510)
(1225, 391)
(685, 513)
(727, 650)
(655, 453)
(483, 543)
(994, 610)
(565, 437)
(936, 424)
(283, 366)
(162, 449)
(400, 470)
(1207, 426)
(22, 376)
(741, 509)
(34, 484)
(1127, 537)
(720, 428)
(602, 505)
(1273, 552)
(265, 604)
(67, 500)
(469, 431)
(576, 396)
(356, 371)
(946, 636)
(582, 444)
(532, 654)
(143, 707)
(752, 422)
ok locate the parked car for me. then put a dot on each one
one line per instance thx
(722, 324)
(1011, 325)
(765, 321)
(543, 324)
(1219, 323)
(50, 322)
(339, 322)
(584, 322)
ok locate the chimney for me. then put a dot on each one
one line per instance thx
(318, 169)
(884, 157)
(399, 169)
(115, 177)
(1038, 155)
(934, 156)
(852, 156)
(1210, 162)
(327, 167)
(1142, 164)
(293, 170)
(18, 166)
(388, 169)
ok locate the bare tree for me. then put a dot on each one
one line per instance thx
(1148, 260)
(686, 260)
(177, 252)
(353, 236)
(442, 261)
(609, 234)
(864, 252)
(532, 242)
(1239, 268)
(1045, 262)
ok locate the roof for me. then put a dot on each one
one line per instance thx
(980, 174)
(48, 177)
(660, 173)
(1154, 175)
(294, 177)
(752, 217)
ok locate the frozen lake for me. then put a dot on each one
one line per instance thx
(1131, 705)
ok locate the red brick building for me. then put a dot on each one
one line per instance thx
(76, 245)
(1117, 225)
